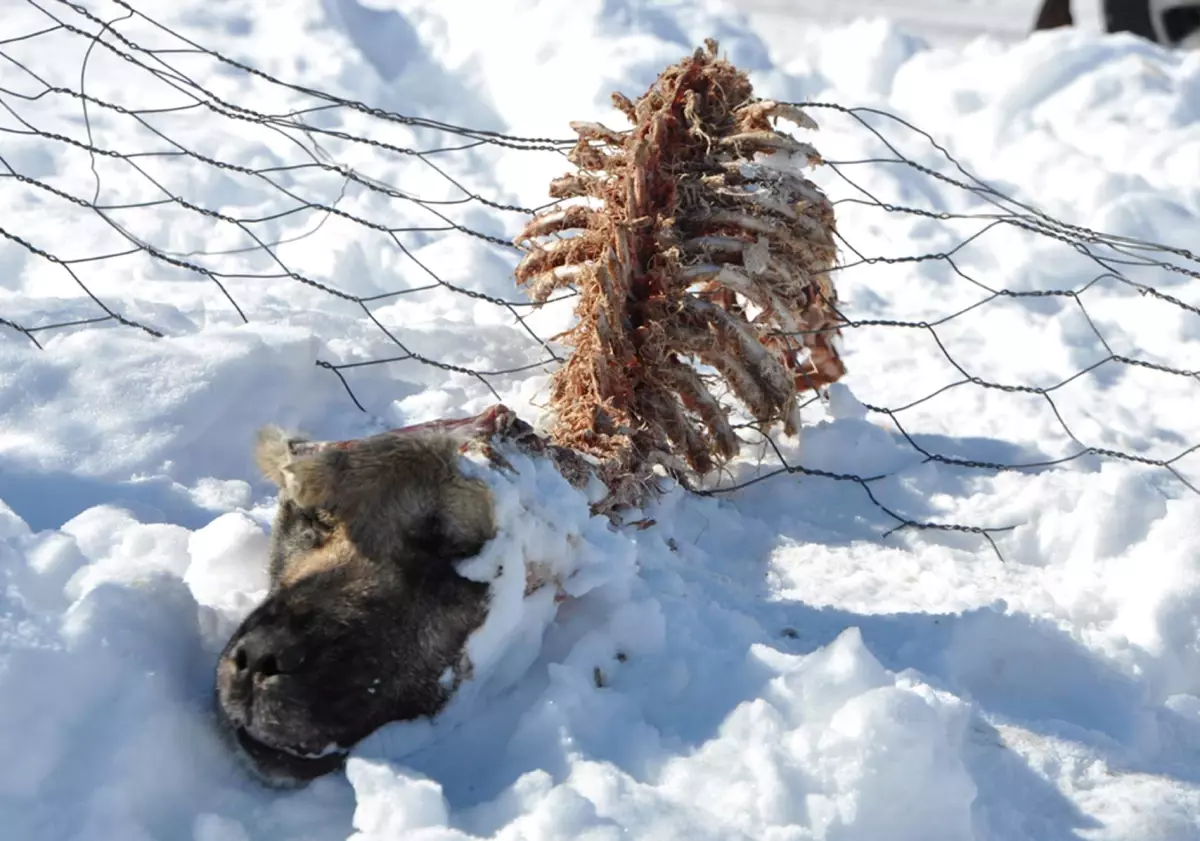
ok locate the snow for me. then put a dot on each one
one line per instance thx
(775, 663)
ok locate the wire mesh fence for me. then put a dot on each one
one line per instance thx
(147, 168)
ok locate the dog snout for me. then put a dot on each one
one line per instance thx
(260, 657)
(262, 654)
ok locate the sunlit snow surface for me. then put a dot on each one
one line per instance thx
(790, 667)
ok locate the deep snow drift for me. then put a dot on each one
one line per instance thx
(784, 664)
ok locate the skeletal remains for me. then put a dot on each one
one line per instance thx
(696, 247)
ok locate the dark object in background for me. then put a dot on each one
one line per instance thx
(1181, 21)
(1166, 22)
(1129, 16)
(1053, 14)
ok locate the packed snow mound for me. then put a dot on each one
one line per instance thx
(549, 547)
(775, 663)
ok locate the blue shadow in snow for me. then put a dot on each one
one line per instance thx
(48, 500)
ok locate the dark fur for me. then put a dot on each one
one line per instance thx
(366, 612)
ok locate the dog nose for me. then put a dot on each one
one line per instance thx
(261, 654)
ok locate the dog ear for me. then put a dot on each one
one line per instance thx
(271, 453)
(407, 490)
(390, 490)
(308, 478)
(311, 480)
(468, 517)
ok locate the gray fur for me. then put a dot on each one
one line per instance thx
(366, 611)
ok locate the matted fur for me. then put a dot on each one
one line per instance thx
(428, 498)
(367, 618)
(366, 613)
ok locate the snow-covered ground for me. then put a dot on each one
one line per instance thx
(939, 21)
(791, 666)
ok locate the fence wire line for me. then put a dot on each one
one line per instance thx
(1109, 253)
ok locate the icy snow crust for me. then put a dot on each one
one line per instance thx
(767, 665)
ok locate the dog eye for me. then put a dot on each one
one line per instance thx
(290, 658)
(300, 620)
(313, 527)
